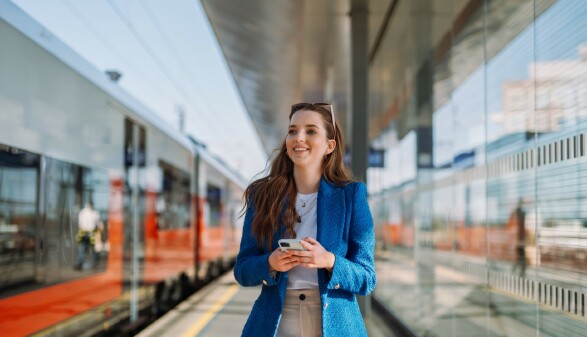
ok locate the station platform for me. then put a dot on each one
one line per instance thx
(444, 294)
(221, 309)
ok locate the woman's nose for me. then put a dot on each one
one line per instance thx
(300, 136)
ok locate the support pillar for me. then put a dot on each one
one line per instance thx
(360, 102)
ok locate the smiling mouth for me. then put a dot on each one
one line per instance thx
(300, 149)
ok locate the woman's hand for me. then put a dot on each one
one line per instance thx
(315, 256)
(282, 261)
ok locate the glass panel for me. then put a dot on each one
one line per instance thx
(19, 175)
(74, 246)
(173, 203)
(213, 206)
(39, 249)
(555, 223)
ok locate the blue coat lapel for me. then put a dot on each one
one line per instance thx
(330, 215)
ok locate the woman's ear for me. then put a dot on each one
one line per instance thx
(331, 146)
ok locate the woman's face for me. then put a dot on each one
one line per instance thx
(306, 140)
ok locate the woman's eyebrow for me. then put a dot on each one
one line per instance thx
(307, 125)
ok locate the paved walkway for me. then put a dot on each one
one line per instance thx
(221, 309)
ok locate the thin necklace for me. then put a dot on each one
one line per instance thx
(311, 204)
(312, 196)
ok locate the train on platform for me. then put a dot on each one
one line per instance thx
(169, 209)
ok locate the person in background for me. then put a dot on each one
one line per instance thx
(90, 224)
(309, 195)
(518, 221)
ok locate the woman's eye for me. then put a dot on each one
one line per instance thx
(291, 132)
(312, 132)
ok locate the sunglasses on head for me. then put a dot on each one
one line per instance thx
(314, 106)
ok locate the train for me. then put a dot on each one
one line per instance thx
(169, 208)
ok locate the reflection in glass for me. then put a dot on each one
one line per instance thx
(213, 206)
(19, 172)
(67, 188)
(500, 237)
(39, 247)
(173, 202)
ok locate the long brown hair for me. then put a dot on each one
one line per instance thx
(273, 196)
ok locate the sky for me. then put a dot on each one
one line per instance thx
(169, 58)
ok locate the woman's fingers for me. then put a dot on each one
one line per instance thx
(308, 245)
(315, 256)
(286, 261)
(282, 261)
(306, 257)
(311, 240)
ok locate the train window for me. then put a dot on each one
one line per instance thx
(129, 148)
(19, 175)
(173, 201)
(44, 247)
(214, 205)
(74, 247)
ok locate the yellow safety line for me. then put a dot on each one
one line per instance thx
(195, 329)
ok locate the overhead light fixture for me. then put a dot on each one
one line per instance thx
(113, 75)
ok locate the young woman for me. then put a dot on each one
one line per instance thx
(309, 194)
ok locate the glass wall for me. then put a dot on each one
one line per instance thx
(489, 236)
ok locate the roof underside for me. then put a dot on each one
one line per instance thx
(284, 52)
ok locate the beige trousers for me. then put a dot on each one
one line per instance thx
(301, 315)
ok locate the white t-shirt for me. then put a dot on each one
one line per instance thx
(300, 277)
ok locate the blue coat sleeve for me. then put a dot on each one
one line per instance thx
(252, 263)
(355, 272)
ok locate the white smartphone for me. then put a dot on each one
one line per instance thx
(293, 244)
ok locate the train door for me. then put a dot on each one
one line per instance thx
(135, 140)
(60, 200)
(19, 228)
(65, 189)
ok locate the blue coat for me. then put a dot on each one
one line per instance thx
(345, 228)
